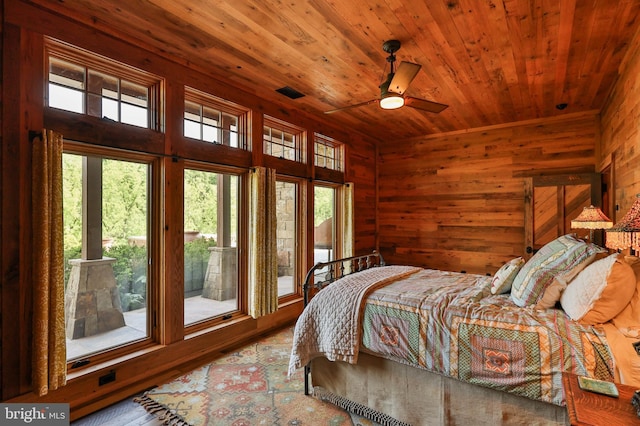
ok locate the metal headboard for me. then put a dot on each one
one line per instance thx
(324, 273)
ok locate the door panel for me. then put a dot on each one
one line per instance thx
(551, 202)
(546, 215)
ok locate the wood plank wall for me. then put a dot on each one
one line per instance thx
(620, 140)
(455, 201)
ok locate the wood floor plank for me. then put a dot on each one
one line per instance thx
(124, 413)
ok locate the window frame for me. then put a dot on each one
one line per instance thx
(301, 236)
(338, 158)
(194, 329)
(298, 133)
(153, 269)
(95, 62)
(336, 211)
(211, 101)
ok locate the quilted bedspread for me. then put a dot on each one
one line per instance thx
(450, 323)
(330, 324)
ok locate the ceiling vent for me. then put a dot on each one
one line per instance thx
(289, 92)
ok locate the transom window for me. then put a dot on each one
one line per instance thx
(86, 84)
(210, 119)
(283, 140)
(327, 152)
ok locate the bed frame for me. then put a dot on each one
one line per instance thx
(324, 273)
(392, 393)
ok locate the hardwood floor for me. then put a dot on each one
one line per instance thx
(124, 413)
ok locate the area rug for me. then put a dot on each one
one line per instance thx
(246, 387)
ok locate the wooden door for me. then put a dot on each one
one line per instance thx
(551, 202)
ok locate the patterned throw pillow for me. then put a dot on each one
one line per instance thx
(502, 280)
(565, 256)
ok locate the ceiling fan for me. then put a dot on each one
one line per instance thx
(397, 81)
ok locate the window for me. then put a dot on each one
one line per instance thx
(288, 235)
(324, 213)
(327, 153)
(86, 84)
(283, 140)
(211, 203)
(210, 119)
(106, 252)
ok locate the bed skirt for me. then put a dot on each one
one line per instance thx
(418, 397)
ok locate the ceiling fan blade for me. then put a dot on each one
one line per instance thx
(424, 105)
(372, 101)
(403, 77)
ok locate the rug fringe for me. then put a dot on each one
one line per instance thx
(165, 414)
(356, 408)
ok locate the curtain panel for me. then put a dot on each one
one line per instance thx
(263, 259)
(347, 220)
(49, 344)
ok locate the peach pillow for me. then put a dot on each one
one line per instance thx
(551, 294)
(600, 291)
(628, 321)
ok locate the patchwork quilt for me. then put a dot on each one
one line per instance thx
(450, 323)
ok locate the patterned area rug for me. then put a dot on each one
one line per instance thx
(246, 387)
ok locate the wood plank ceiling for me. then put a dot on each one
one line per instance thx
(491, 61)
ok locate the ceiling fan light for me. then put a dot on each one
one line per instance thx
(391, 101)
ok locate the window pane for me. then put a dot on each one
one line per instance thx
(135, 94)
(286, 236)
(323, 214)
(210, 245)
(105, 272)
(230, 130)
(210, 134)
(66, 98)
(109, 108)
(66, 85)
(63, 73)
(135, 104)
(103, 85)
(134, 115)
(191, 129)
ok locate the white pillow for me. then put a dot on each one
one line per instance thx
(502, 280)
(600, 291)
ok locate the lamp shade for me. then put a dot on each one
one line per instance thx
(591, 218)
(626, 233)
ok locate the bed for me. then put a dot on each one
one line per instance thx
(407, 345)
